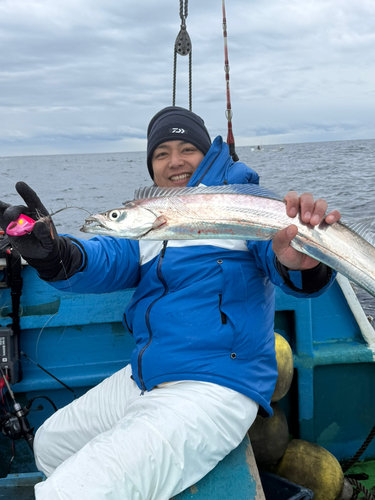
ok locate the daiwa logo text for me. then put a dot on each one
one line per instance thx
(176, 130)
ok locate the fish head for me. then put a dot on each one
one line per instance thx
(130, 221)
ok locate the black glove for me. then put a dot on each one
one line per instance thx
(41, 247)
(43, 239)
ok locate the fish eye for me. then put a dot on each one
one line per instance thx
(114, 214)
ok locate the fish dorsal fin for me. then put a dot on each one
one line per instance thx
(249, 189)
(364, 229)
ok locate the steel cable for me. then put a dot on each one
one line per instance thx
(183, 47)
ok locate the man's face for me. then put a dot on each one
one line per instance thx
(174, 162)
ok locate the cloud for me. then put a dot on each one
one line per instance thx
(87, 76)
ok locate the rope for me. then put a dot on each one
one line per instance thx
(346, 466)
(359, 488)
(183, 47)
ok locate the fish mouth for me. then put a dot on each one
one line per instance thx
(93, 223)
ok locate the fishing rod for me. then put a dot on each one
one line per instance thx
(228, 113)
(15, 424)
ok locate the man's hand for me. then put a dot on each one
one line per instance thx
(311, 212)
(42, 242)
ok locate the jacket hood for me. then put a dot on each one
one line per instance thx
(218, 168)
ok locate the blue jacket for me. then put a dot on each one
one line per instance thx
(202, 309)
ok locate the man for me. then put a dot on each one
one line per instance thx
(202, 319)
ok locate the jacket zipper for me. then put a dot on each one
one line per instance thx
(166, 289)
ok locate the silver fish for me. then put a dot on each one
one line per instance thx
(236, 212)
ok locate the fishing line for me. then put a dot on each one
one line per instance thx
(5, 397)
(66, 208)
(45, 219)
(6, 304)
(40, 333)
(14, 182)
(48, 373)
(13, 456)
(8, 179)
(61, 336)
(1, 294)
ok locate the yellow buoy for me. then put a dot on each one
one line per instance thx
(269, 436)
(284, 358)
(313, 467)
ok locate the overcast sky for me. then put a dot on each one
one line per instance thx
(86, 76)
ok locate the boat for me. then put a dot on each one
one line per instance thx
(56, 345)
(61, 344)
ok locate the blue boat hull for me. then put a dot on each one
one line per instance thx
(80, 340)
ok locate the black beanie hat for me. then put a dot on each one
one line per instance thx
(176, 124)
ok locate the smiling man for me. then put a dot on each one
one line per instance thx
(174, 163)
(177, 141)
(202, 318)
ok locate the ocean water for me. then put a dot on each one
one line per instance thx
(342, 172)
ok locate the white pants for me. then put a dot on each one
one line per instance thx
(114, 443)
